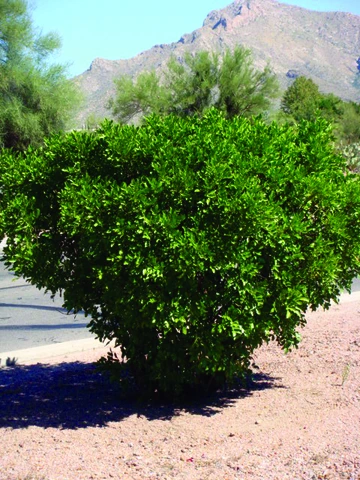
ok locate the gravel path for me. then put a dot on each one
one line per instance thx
(300, 419)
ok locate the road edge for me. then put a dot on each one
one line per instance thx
(43, 353)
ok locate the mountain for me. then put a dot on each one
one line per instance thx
(324, 46)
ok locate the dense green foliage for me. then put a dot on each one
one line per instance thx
(35, 97)
(189, 241)
(190, 87)
(304, 101)
(348, 123)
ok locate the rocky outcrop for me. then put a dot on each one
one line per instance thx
(292, 74)
(189, 38)
(221, 23)
(218, 18)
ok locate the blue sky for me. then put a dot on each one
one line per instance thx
(120, 29)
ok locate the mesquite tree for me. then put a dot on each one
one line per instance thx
(196, 83)
(36, 98)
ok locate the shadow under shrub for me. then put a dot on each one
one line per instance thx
(188, 241)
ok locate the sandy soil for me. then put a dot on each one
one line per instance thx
(299, 420)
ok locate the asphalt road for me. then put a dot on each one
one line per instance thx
(355, 285)
(30, 318)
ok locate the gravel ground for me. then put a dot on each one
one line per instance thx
(299, 420)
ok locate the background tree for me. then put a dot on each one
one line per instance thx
(188, 241)
(136, 99)
(190, 87)
(243, 90)
(92, 121)
(347, 134)
(302, 99)
(35, 97)
(192, 84)
(348, 130)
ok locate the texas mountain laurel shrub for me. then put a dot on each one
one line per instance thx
(190, 242)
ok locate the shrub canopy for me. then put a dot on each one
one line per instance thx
(189, 241)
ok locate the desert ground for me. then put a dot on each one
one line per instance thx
(298, 420)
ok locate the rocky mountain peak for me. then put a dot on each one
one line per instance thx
(101, 64)
(324, 46)
(220, 17)
(240, 11)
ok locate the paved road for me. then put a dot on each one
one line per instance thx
(356, 285)
(30, 318)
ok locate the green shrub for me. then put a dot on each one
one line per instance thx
(188, 241)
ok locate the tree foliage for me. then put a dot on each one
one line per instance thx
(348, 125)
(196, 83)
(35, 97)
(189, 241)
(303, 101)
